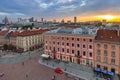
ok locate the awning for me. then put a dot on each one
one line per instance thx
(97, 69)
(45, 56)
(110, 73)
(104, 71)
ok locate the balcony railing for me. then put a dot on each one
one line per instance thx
(78, 56)
(54, 51)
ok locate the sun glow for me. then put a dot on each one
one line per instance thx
(107, 17)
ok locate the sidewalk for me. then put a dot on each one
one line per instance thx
(8, 54)
(17, 58)
(71, 68)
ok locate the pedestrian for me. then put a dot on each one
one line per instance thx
(23, 63)
(26, 75)
(65, 69)
(54, 76)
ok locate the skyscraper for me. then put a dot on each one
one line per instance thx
(6, 20)
(41, 19)
(75, 19)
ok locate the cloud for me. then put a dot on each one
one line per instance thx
(3, 13)
(66, 8)
(56, 8)
(12, 14)
(83, 3)
(44, 5)
(64, 1)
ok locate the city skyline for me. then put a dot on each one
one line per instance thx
(84, 10)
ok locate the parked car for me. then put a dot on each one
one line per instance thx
(58, 70)
(1, 74)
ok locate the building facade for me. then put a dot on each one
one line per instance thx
(3, 37)
(70, 47)
(107, 50)
(30, 39)
(13, 38)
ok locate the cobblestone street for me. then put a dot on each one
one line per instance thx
(29, 70)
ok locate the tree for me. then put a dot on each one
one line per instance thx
(27, 26)
(5, 46)
(11, 47)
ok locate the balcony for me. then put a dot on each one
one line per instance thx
(54, 51)
(78, 56)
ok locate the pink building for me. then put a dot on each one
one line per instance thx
(77, 48)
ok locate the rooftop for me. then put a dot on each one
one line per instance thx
(83, 31)
(108, 35)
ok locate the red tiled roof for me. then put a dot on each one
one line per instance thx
(15, 34)
(108, 35)
(33, 32)
(3, 33)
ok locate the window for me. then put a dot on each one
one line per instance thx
(98, 52)
(98, 58)
(53, 42)
(84, 46)
(62, 43)
(98, 66)
(78, 39)
(62, 38)
(105, 52)
(46, 47)
(84, 53)
(113, 54)
(72, 44)
(105, 68)
(98, 45)
(62, 49)
(78, 45)
(67, 44)
(58, 43)
(90, 46)
(105, 46)
(50, 48)
(83, 39)
(105, 60)
(112, 61)
(67, 38)
(113, 47)
(67, 50)
(58, 49)
(90, 40)
(90, 54)
(78, 53)
(72, 38)
(72, 51)
(46, 42)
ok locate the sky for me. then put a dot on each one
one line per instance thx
(84, 10)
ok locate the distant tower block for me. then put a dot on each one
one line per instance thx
(6, 20)
(41, 19)
(75, 19)
(19, 19)
(103, 21)
(62, 21)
